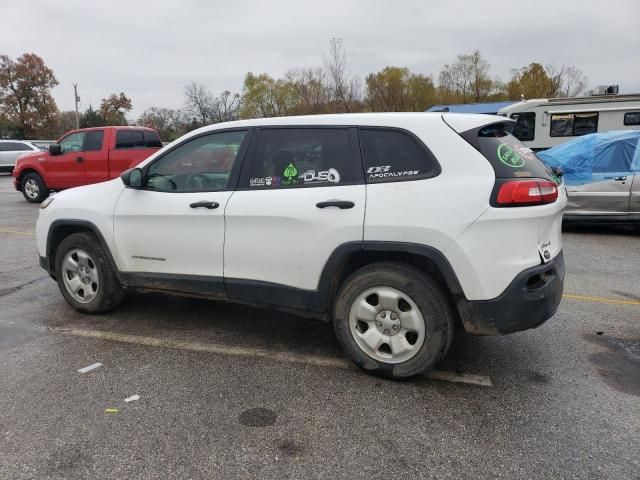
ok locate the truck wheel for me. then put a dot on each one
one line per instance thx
(33, 188)
(85, 276)
(393, 320)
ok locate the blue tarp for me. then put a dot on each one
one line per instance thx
(596, 156)
(490, 108)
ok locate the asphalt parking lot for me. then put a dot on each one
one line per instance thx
(228, 391)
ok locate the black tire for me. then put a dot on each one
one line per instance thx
(35, 181)
(431, 301)
(110, 293)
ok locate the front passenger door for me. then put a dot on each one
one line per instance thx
(170, 233)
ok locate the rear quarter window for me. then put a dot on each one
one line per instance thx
(506, 154)
(395, 156)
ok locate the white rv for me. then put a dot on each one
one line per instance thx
(544, 123)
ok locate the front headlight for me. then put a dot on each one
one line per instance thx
(47, 201)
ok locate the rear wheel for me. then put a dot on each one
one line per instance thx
(85, 276)
(393, 320)
(33, 188)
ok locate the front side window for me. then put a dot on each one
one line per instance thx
(525, 128)
(93, 141)
(73, 142)
(632, 118)
(305, 157)
(573, 124)
(203, 164)
(392, 155)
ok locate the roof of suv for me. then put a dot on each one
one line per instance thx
(459, 121)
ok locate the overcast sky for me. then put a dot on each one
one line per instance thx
(151, 49)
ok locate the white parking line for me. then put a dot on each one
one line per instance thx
(234, 351)
(93, 366)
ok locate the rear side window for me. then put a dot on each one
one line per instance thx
(573, 124)
(14, 147)
(507, 155)
(394, 155)
(124, 139)
(305, 157)
(151, 139)
(138, 139)
(93, 141)
(632, 118)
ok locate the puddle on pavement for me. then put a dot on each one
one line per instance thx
(258, 417)
(619, 363)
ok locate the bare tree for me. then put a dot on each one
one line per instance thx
(199, 102)
(567, 81)
(467, 79)
(313, 89)
(346, 89)
(225, 107)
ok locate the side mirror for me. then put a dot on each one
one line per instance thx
(132, 178)
(55, 149)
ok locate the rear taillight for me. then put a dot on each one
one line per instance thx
(514, 193)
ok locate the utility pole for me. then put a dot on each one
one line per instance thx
(75, 93)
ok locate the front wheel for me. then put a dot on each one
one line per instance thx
(393, 320)
(33, 188)
(85, 276)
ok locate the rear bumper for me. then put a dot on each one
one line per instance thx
(529, 301)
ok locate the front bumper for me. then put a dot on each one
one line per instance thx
(530, 300)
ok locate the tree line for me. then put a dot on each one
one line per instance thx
(27, 109)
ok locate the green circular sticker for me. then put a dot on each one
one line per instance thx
(509, 157)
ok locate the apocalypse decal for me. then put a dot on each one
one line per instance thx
(384, 171)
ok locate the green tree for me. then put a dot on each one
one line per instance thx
(25, 94)
(531, 81)
(114, 108)
(92, 118)
(396, 89)
(263, 96)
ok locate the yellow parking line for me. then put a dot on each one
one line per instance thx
(16, 232)
(588, 298)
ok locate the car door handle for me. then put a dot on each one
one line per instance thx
(341, 204)
(620, 179)
(205, 204)
(79, 160)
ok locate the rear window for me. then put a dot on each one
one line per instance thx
(151, 139)
(507, 155)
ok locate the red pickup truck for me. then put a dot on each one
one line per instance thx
(81, 157)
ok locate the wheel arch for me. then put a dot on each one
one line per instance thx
(26, 170)
(61, 229)
(349, 257)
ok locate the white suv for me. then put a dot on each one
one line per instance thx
(395, 226)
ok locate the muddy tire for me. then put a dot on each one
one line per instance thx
(84, 275)
(393, 320)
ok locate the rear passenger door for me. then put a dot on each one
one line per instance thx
(301, 195)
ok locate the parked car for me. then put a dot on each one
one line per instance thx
(601, 172)
(82, 157)
(11, 150)
(395, 226)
